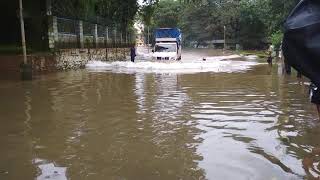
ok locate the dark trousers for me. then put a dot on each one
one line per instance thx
(269, 60)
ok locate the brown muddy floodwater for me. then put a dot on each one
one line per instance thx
(100, 124)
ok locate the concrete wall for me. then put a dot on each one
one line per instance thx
(78, 58)
(65, 59)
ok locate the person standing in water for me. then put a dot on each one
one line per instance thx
(133, 53)
(270, 55)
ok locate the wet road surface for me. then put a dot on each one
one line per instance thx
(251, 123)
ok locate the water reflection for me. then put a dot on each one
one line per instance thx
(104, 125)
(252, 112)
(311, 164)
(49, 171)
(162, 110)
(28, 111)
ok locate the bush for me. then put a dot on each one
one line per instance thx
(276, 39)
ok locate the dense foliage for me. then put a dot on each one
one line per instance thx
(253, 23)
(250, 22)
(114, 12)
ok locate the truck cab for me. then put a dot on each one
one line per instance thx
(168, 44)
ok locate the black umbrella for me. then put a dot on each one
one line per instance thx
(301, 43)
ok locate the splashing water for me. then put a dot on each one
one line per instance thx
(228, 64)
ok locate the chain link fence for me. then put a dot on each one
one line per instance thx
(71, 33)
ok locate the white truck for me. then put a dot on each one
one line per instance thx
(168, 44)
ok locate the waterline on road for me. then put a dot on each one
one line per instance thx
(226, 64)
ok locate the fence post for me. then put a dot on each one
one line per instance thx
(53, 35)
(121, 39)
(95, 35)
(115, 44)
(80, 34)
(148, 39)
(106, 36)
(127, 38)
(106, 39)
(115, 36)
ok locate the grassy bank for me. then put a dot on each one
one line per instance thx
(259, 53)
(17, 50)
(10, 49)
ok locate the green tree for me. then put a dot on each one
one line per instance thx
(250, 22)
(117, 12)
(206, 21)
(74, 8)
(276, 39)
(252, 28)
(167, 13)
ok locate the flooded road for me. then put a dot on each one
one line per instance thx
(126, 124)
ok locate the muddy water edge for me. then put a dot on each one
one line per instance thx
(83, 124)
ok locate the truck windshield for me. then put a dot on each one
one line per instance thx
(165, 48)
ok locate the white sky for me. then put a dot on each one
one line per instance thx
(140, 1)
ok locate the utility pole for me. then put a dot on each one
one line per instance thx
(224, 37)
(26, 69)
(148, 39)
(23, 36)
